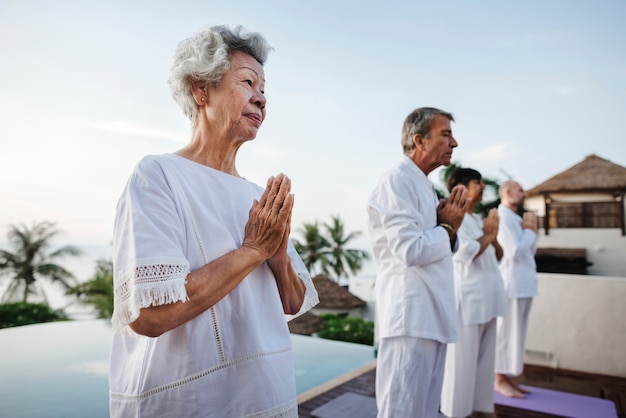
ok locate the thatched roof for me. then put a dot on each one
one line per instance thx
(334, 296)
(306, 324)
(593, 174)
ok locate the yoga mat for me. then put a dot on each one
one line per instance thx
(560, 403)
(350, 405)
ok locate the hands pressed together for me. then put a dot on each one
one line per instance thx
(267, 231)
(268, 227)
(491, 223)
(529, 221)
(453, 210)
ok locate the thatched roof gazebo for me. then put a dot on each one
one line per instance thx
(593, 174)
(333, 296)
(306, 324)
(566, 206)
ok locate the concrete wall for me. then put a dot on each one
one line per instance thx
(579, 323)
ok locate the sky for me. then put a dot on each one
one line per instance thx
(535, 86)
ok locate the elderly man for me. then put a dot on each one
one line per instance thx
(518, 237)
(413, 236)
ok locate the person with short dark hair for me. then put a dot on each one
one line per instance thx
(480, 299)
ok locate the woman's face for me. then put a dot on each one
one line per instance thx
(475, 190)
(238, 103)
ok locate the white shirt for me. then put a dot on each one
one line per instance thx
(234, 359)
(479, 289)
(518, 267)
(414, 285)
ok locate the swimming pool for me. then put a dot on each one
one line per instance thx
(319, 361)
(60, 369)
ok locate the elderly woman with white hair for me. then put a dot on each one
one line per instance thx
(205, 275)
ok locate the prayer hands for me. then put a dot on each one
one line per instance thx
(491, 223)
(453, 210)
(268, 226)
(529, 221)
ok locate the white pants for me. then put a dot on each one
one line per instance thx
(468, 377)
(409, 374)
(512, 337)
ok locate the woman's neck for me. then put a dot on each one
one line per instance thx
(212, 149)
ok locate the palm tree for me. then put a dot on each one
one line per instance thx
(443, 176)
(326, 252)
(314, 248)
(343, 261)
(31, 261)
(97, 292)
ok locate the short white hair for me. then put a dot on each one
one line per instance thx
(204, 57)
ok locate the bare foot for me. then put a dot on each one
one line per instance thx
(520, 388)
(505, 387)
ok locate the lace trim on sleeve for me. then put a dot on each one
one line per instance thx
(151, 283)
(310, 296)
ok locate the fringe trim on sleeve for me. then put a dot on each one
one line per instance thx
(151, 283)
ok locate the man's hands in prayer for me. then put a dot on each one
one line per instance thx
(453, 210)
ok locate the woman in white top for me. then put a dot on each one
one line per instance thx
(204, 269)
(480, 298)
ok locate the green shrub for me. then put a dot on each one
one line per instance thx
(23, 313)
(347, 328)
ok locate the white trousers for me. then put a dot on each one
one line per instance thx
(511, 337)
(409, 374)
(468, 377)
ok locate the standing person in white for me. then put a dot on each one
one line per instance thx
(413, 234)
(205, 273)
(468, 378)
(518, 237)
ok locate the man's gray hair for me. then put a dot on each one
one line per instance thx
(418, 122)
(203, 58)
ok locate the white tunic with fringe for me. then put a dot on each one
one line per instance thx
(235, 359)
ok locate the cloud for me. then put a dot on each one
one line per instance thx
(136, 129)
(568, 91)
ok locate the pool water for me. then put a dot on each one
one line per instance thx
(60, 369)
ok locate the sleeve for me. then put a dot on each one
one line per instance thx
(515, 240)
(468, 245)
(397, 210)
(150, 267)
(310, 296)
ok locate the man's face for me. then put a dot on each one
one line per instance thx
(441, 142)
(517, 195)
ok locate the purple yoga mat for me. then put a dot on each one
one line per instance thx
(560, 403)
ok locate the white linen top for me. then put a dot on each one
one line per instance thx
(478, 284)
(234, 359)
(414, 285)
(518, 267)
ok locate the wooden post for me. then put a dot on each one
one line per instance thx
(546, 217)
(620, 199)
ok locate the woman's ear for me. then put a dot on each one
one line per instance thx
(199, 93)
